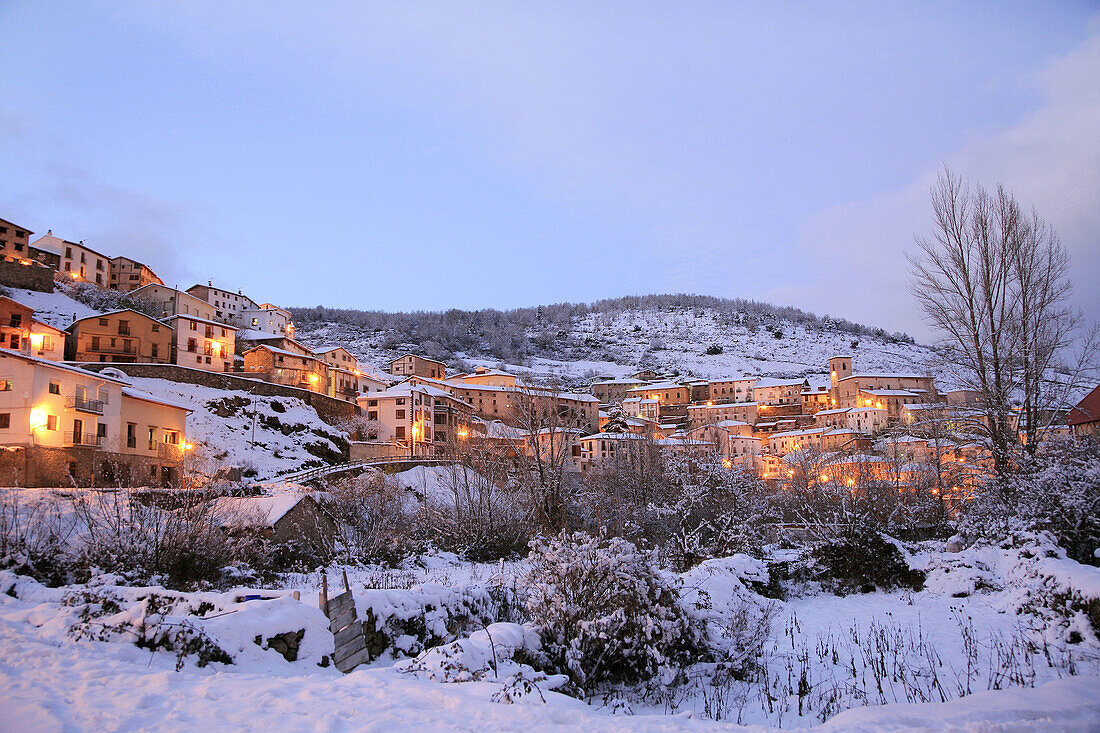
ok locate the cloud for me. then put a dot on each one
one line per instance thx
(853, 255)
(76, 204)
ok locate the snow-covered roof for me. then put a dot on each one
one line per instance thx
(871, 375)
(892, 392)
(772, 382)
(61, 367)
(262, 510)
(834, 411)
(140, 394)
(657, 385)
(190, 317)
(283, 352)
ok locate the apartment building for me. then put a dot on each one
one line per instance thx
(613, 391)
(411, 365)
(666, 393)
(168, 302)
(427, 420)
(265, 318)
(770, 391)
(731, 390)
(286, 367)
(19, 331)
(642, 407)
(14, 241)
(128, 275)
(343, 372)
(77, 259)
(699, 415)
(64, 426)
(123, 336)
(227, 305)
(199, 343)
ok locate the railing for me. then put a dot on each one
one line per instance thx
(82, 404)
(312, 474)
(82, 439)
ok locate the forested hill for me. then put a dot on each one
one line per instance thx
(673, 332)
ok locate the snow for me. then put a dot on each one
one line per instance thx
(55, 309)
(229, 440)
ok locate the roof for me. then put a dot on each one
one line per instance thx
(405, 389)
(1087, 410)
(12, 223)
(891, 392)
(658, 385)
(418, 356)
(263, 510)
(200, 320)
(834, 411)
(140, 394)
(327, 349)
(65, 242)
(61, 367)
(115, 313)
(284, 352)
(885, 375)
(772, 382)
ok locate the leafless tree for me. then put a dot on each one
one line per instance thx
(994, 283)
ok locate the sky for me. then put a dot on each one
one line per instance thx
(424, 156)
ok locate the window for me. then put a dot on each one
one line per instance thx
(154, 350)
(192, 345)
(399, 432)
(5, 385)
(5, 420)
(95, 343)
(156, 328)
(16, 320)
(55, 388)
(399, 415)
(103, 322)
(194, 326)
(51, 422)
(152, 438)
(372, 415)
(171, 437)
(131, 435)
(15, 341)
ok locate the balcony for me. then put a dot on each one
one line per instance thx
(83, 440)
(82, 404)
(104, 349)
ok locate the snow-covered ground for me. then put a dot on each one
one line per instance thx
(63, 668)
(56, 308)
(226, 433)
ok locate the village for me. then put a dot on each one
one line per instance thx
(69, 416)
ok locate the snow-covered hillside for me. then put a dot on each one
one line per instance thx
(665, 339)
(265, 436)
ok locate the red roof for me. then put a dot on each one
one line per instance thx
(1087, 410)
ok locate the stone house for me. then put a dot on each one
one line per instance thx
(123, 336)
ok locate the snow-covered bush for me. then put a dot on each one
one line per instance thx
(607, 614)
(374, 520)
(1058, 492)
(858, 563)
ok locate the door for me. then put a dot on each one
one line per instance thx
(78, 432)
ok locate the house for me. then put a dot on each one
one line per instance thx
(666, 393)
(63, 426)
(127, 275)
(14, 241)
(490, 377)
(227, 305)
(371, 382)
(731, 390)
(76, 259)
(769, 391)
(343, 372)
(265, 318)
(710, 414)
(284, 519)
(202, 344)
(613, 391)
(290, 368)
(409, 365)
(1084, 418)
(642, 407)
(123, 336)
(19, 331)
(168, 301)
(426, 419)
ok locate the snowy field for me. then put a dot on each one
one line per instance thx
(68, 659)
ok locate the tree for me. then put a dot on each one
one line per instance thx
(993, 283)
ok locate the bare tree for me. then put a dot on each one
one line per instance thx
(993, 282)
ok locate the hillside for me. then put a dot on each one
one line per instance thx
(667, 333)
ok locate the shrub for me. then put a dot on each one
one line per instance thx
(859, 562)
(606, 613)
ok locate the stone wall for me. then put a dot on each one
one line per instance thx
(329, 409)
(37, 466)
(26, 277)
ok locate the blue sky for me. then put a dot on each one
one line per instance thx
(424, 156)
